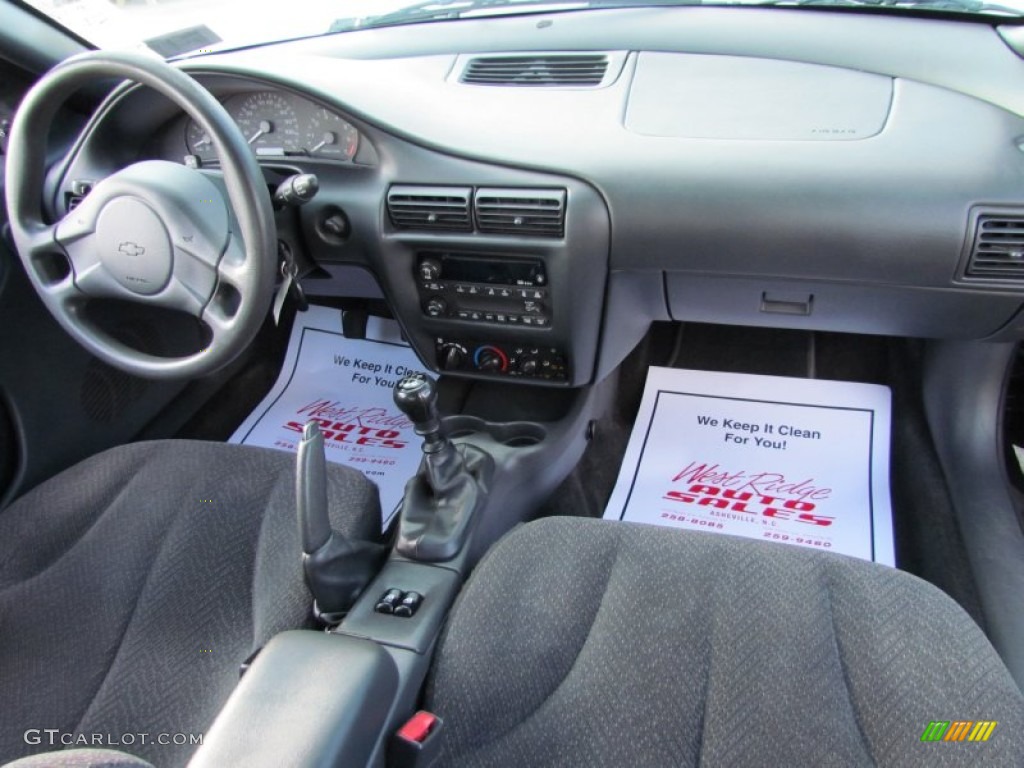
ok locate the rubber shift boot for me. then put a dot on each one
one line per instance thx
(441, 500)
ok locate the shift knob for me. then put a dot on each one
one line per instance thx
(416, 397)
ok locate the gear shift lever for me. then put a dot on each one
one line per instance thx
(416, 397)
(451, 483)
(337, 567)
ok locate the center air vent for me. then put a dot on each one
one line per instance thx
(521, 211)
(998, 250)
(547, 70)
(430, 208)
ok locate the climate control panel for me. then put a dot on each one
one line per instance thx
(501, 359)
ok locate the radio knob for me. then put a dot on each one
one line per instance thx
(430, 269)
(436, 306)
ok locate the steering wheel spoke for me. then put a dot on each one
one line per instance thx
(52, 267)
(233, 265)
(41, 240)
(65, 293)
(222, 324)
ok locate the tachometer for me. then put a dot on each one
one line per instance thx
(328, 136)
(268, 123)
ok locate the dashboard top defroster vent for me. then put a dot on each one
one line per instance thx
(537, 70)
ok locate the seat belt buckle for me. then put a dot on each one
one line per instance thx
(417, 744)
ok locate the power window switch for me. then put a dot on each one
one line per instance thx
(389, 601)
(409, 605)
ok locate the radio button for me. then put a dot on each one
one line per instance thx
(531, 293)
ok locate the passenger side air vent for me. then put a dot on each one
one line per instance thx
(521, 211)
(546, 70)
(430, 208)
(998, 250)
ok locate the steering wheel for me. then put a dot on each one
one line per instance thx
(155, 232)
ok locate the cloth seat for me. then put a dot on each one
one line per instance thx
(592, 643)
(133, 585)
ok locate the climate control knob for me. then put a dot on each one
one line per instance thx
(528, 365)
(490, 360)
(451, 357)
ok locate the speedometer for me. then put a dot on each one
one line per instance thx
(268, 122)
(327, 135)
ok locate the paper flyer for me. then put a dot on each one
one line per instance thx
(796, 461)
(346, 385)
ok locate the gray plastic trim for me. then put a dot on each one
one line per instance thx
(31, 42)
(417, 633)
(635, 300)
(964, 398)
(681, 95)
(309, 699)
(829, 306)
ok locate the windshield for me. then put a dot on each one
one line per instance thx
(173, 28)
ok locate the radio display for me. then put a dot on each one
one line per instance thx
(487, 270)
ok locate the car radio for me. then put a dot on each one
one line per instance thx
(488, 289)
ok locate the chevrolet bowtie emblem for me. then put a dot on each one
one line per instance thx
(128, 248)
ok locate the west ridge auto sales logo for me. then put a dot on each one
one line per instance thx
(765, 496)
(372, 427)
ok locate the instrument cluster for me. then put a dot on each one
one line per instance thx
(281, 124)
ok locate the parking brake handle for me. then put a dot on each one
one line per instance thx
(337, 567)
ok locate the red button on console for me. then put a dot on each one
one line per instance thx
(417, 727)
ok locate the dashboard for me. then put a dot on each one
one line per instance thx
(759, 167)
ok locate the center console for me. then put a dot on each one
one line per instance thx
(490, 291)
(495, 273)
